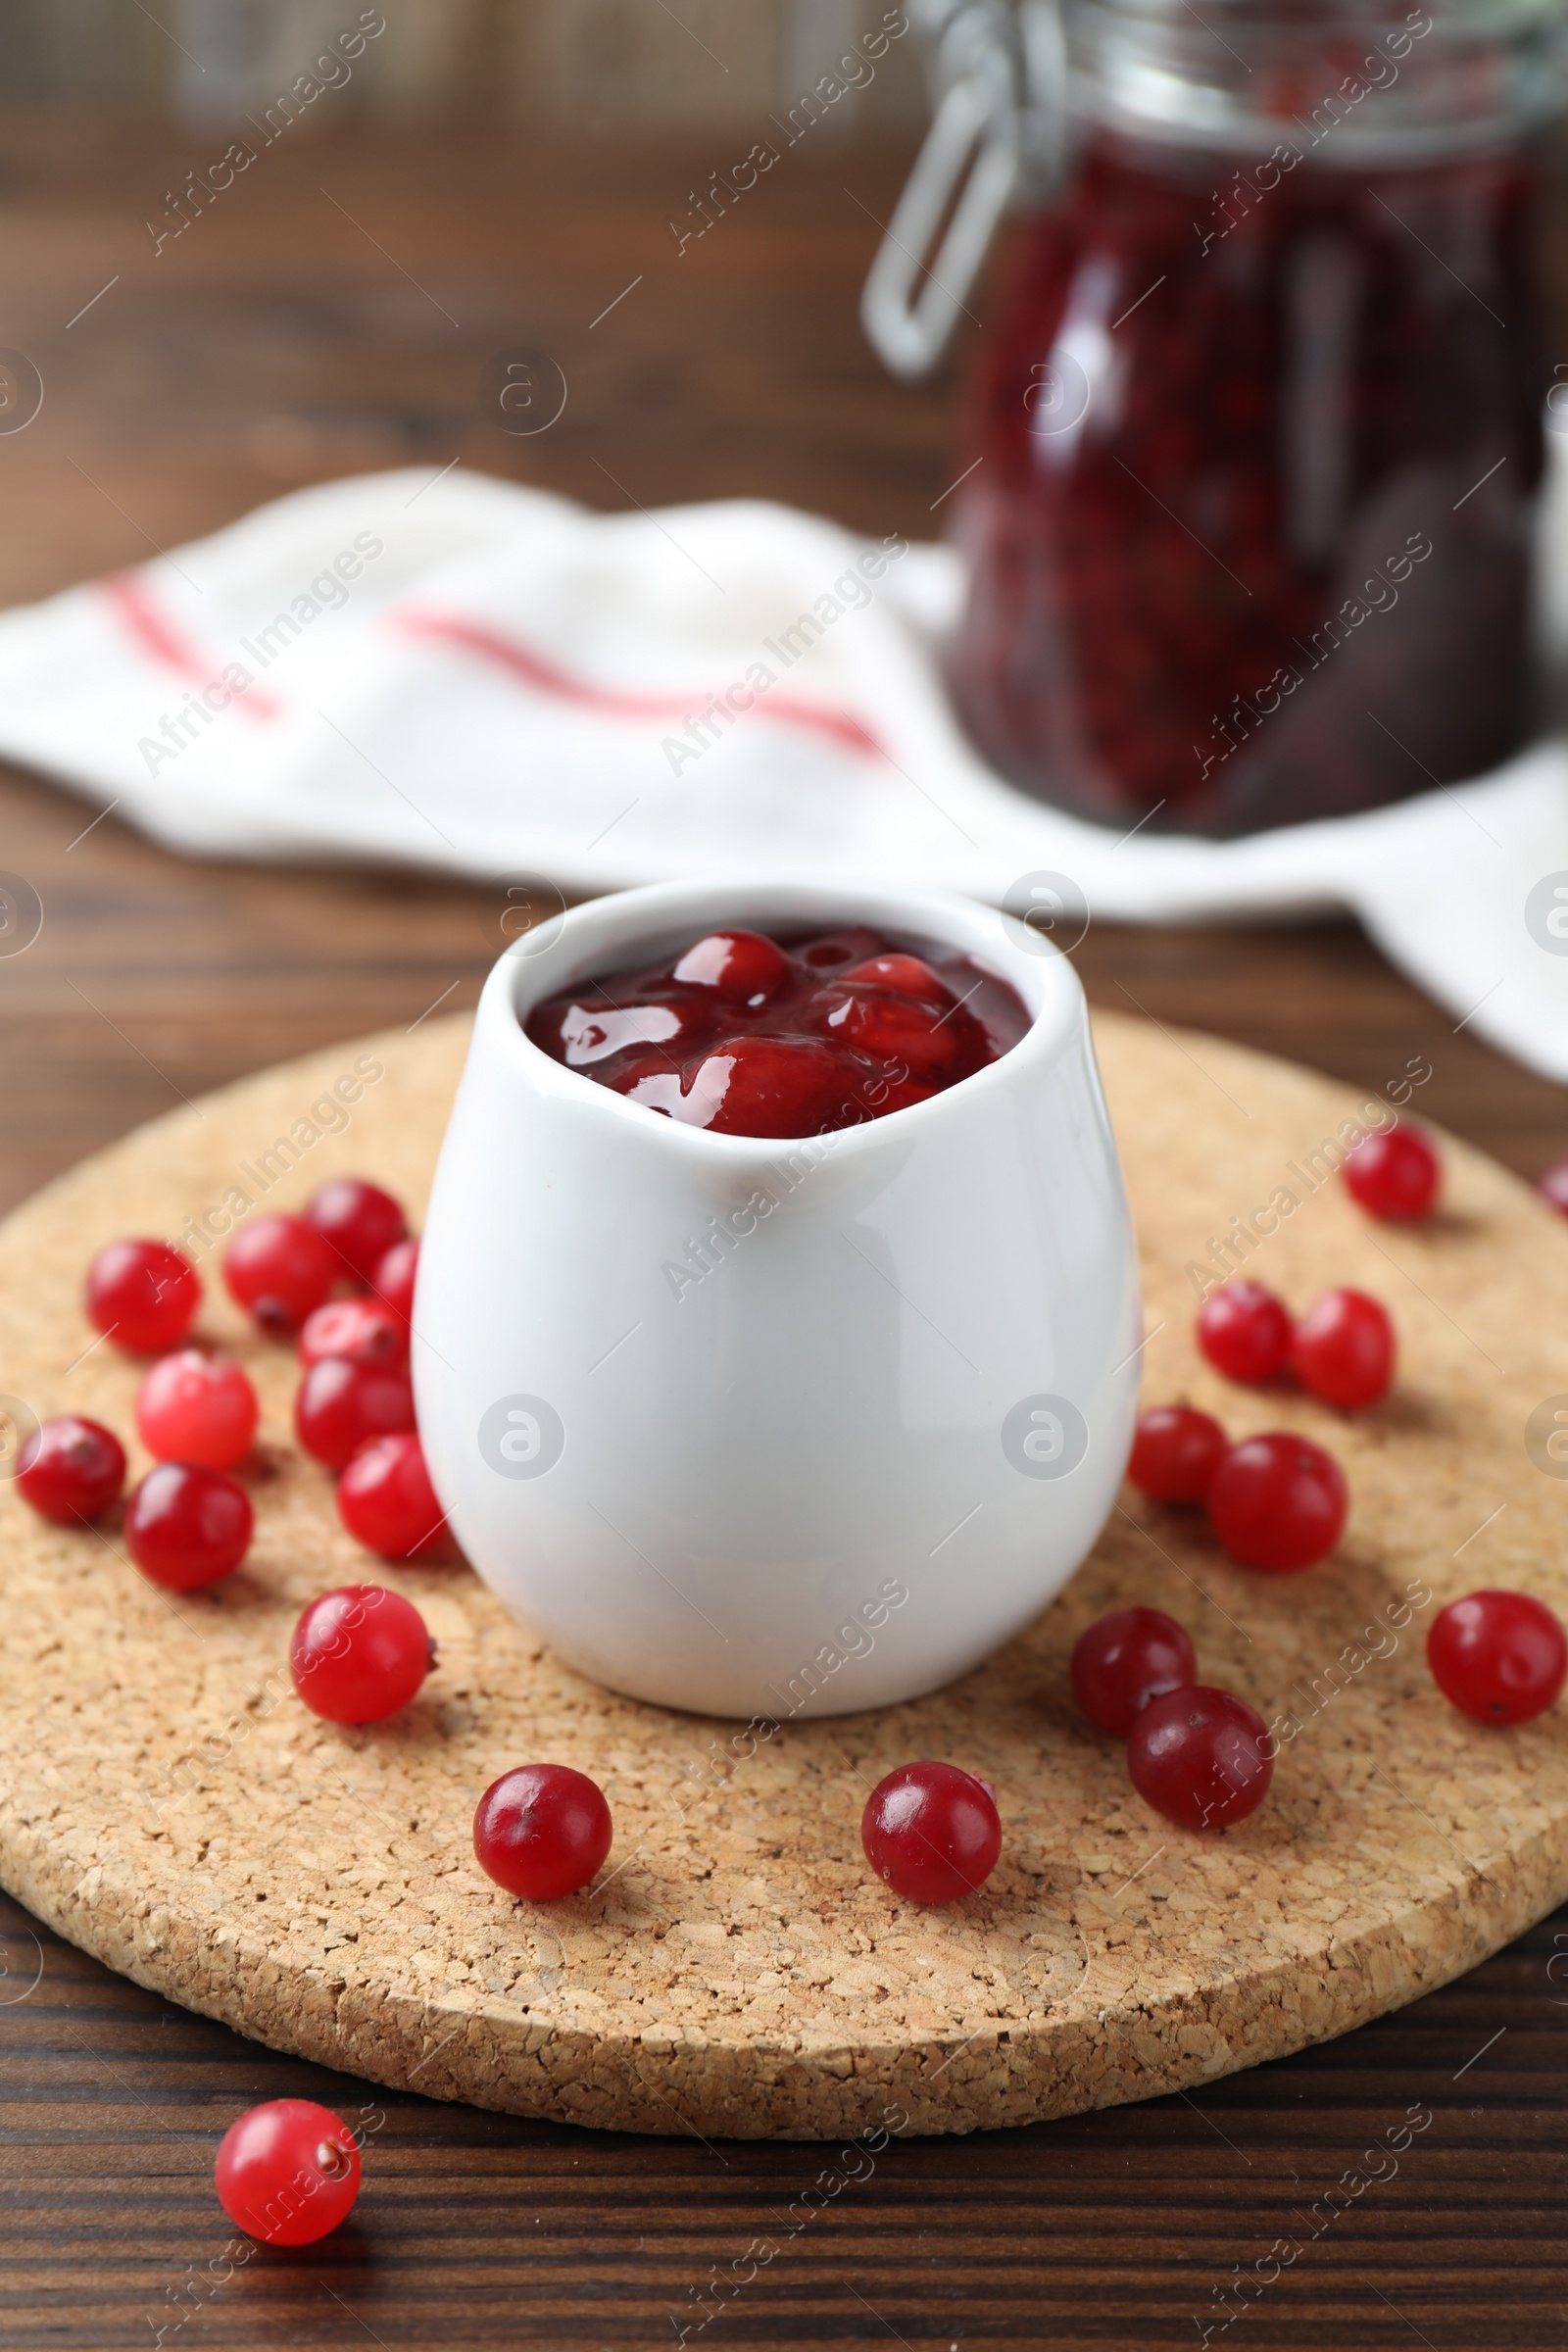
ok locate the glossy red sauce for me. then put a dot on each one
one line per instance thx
(747, 1035)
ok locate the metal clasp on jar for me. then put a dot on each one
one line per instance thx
(988, 129)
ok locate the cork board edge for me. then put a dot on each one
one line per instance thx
(559, 2075)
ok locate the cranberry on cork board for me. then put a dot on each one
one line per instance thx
(167, 1803)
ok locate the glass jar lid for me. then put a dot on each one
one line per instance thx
(1347, 85)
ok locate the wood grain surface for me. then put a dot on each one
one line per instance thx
(273, 347)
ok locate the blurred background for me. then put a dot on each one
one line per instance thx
(485, 172)
(591, 64)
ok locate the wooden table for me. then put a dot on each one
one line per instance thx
(290, 335)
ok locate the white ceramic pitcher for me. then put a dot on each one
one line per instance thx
(777, 1428)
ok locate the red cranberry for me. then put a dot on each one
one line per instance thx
(1498, 1656)
(1244, 1330)
(741, 966)
(932, 1831)
(1126, 1658)
(70, 1469)
(280, 1269)
(364, 1331)
(287, 2171)
(542, 1830)
(762, 1086)
(1278, 1502)
(393, 1280)
(386, 1501)
(648, 1079)
(1202, 1757)
(837, 948)
(895, 1031)
(909, 976)
(193, 1407)
(1344, 1349)
(1394, 1175)
(142, 1295)
(360, 1653)
(1553, 1185)
(1176, 1451)
(360, 1221)
(340, 1406)
(185, 1527)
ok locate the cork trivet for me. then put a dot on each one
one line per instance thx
(168, 1804)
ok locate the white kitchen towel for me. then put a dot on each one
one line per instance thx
(457, 672)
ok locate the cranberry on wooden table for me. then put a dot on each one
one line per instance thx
(364, 1331)
(1176, 1451)
(1278, 1502)
(386, 1501)
(1498, 1656)
(143, 1296)
(542, 1830)
(1394, 1175)
(197, 1407)
(1201, 1756)
(358, 1222)
(360, 1653)
(1244, 1330)
(70, 1469)
(1126, 1658)
(341, 1407)
(1345, 1350)
(186, 1526)
(931, 1831)
(278, 1268)
(287, 2171)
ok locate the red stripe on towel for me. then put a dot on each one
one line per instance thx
(153, 633)
(546, 678)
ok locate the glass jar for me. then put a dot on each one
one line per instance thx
(1255, 437)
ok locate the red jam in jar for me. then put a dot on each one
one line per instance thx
(1255, 439)
(747, 1035)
